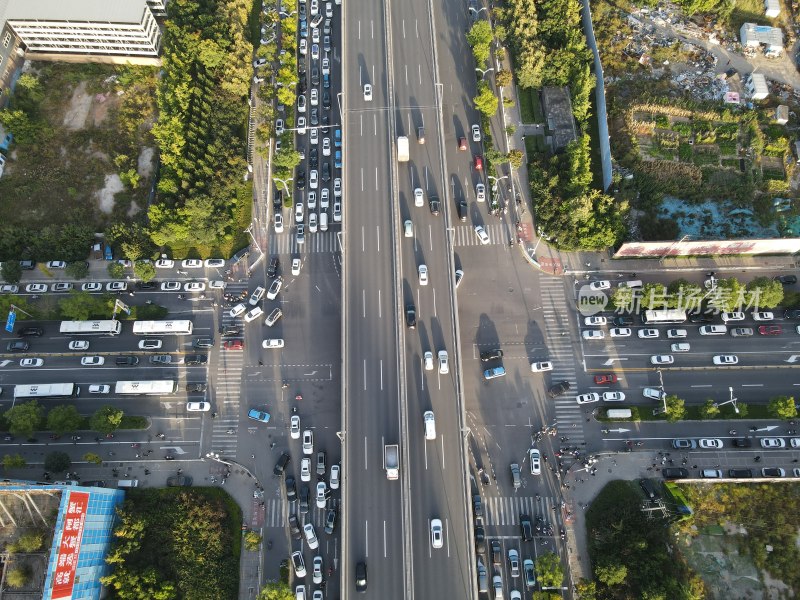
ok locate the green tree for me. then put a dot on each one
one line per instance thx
(77, 270)
(611, 574)
(276, 590)
(57, 462)
(115, 270)
(63, 419)
(764, 292)
(548, 568)
(31, 541)
(486, 102)
(708, 410)
(287, 158)
(24, 418)
(728, 295)
(14, 461)
(654, 296)
(782, 407)
(18, 576)
(107, 419)
(11, 271)
(252, 541)
(144, 271)
(503, 78)
(515, 158)
(676, 408)
(684, 295)
(479, 37)
(81, 306)
(93, 458)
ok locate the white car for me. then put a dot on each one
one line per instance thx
(272, 343)
(314, 139)
(613, 397)
(301, 103)
(620, 332)
(337, 212)
(56, 264)
(192, 263)
(299, 565)
(444, 366)
(329, 10)
(295, 266)
(301, 125)
(164, 263)
(279, 126)
(726, 359)
(595, 321)
(313, 178)
(171, 286)
(92, 287)
(99, 389)
(92, 361)
(326, 66)
(275, 288)
(322, 491)
(299, 211)
(116, 286)
(314, 8)
(600, 285)
(367, 92)
(588, 398)
(427, 360)
(9, 289)
(61, 287)
(216, 284)
(337, 188)
(194, 286)
(763, 316)
(423, 275)
(308, 442)
(662, 359)
(732, 316)
(36, 288)
(593, 334)
(253, 314)
(198, 406)
(79, 345)
(480, 192)
(238, 310)
(256, 296)
(31, 362)
(305, 469)
(317, 570)
(437, 533)
(482, 235)
(278, 223)
(336, 476)
(419, 197)
(541, 367)
(652, 393)
(711, 443)
(408, 228)
(303, 48)
(648, 334)
(311, 537)
(326, 146)
(312, 222)
(294, 428)
(476, 133)
(314, 97)
(150, 344)
(773, 443)
(676, 334)
(535, 459)
(681, 347)
(315, 51)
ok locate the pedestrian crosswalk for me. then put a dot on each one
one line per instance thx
(557, 310)
(499, 510)
(464, 235)
(276, 512)
(321, 241)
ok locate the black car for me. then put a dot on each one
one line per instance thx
(477, 505)
(434, 205)
(361, 577)
(204, 342)
(315, 76)
(179, 481)
(196, 359)
(326, 171)
(648, 489)
(146, 285)
(674, 473)
(326, 100)
(740, 473)
(302, 84)
(559, 388)
(277, 200)
(196, 387)
(526, 528)
(272, 269)
(488, 355)
(126, 361)
(18, 346)
(623, 321)
(742, 443)
(294, 527)
(313, 158)
(27, 265)
(101, 484)
(497, 553)
(480, 537)
(280, 466)
(31, 332)
(700, 317)
(291, 490)
(330, 521)
(305, 496)
(462, 210)
(411, 316)
(301, 180)
(772, 472)
(326, 121)
(792, 313)
(786, 279)
(230, 331)
(314, 117)
(321, 463)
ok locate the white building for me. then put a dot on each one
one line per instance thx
(757, 86)
(772, 8)
(754, 36)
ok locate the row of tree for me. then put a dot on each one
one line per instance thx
(77, 306)
(26, 417)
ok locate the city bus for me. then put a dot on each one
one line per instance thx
(45, 390)
(162, 327)
(146, 388)
(91, 327)
(670, 315)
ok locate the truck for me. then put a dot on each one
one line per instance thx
(391, 460)
(402, 149)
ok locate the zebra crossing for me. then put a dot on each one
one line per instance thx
(322, 241)
(276, 513)
(557, 311)
(464, 235)
(505, 510)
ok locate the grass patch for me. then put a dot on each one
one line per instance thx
(747, 11)
(727, 148)
(530, 108)
(705, 158)
(534, 144)
(685, 152)
(732, 163)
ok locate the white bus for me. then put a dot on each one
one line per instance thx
(45, 390)
(162, 327)
(91, 327)
(670, 315)
(146, 388)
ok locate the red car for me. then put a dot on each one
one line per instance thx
(770, 330)
(479, 163)
(233, 345)
(462, 144)
(605, 379)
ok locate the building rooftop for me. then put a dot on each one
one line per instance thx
(114, 11)
(558, 115)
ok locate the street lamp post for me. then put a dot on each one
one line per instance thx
(478, 11)
(496, 180)
(663, 256)
(285, 183)
(483, 72)
(731, 401)
(286, 15)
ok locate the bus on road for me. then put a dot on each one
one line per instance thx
(146, 388)
(45, 390)
(162, 327)
(669, 315)
(91, 327)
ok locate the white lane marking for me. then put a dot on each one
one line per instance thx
(359, 30)
(752, 385)
(363, 304)
(374, 124)
(381, 374)
(416, 26)
(409, 122)
(360, 76)
(363, 239)
(376, 179)
(404, 27)
(430, 237)
(385, 549)
(443, 465)
(365, 374)
(361, 124)
(701, 386)
(419, 72)
(365, 454)
(366, 523)
(362, 179)
(372, 29)
(378, 236)
(379, 304)
(426, 177)
(406, 68)
(435, 313)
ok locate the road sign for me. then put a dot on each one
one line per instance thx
(10, 320)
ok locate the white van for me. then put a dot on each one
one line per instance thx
(618, 413)
(711, 474)
(635, 284)
(713, 330)
(323, 221)
(128, 483)
(430, 425)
